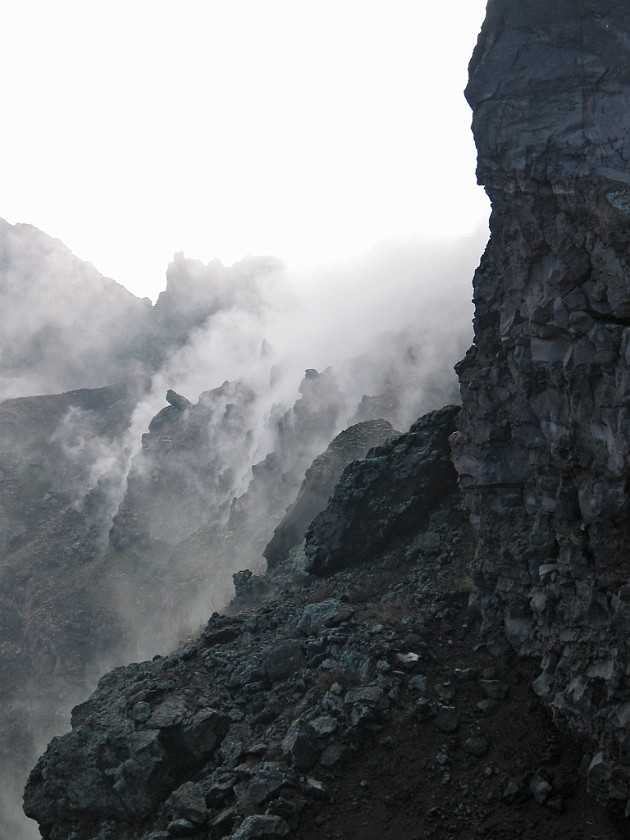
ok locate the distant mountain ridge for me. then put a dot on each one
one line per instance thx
(63, 325)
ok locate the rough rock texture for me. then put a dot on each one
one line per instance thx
(361, 705)
(79, 595)
(383, 497)
(543, 452)
(350, 445)
(250, 719)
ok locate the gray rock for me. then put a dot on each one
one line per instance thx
(542, 447)
(317, 617)
(181, 828)
(511, 790)
(371, 696)
(333, 754)
(264, 785)
(188, 802)
(200, 735)
(141, 712)
(419, 684)
(494, 689)
(324, 726)
(225, 820)
(300, 745)
(446, 719)
(541, 789)
(475, 745)
(316, 788)
(282, 660)
(265, 826)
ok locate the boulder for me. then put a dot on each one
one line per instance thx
(384, 497)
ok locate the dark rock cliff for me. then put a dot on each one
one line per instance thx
(543, 449)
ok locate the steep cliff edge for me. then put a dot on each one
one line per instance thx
(543, 449)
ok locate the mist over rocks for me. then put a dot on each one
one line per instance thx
(195, 291)
(324, 700)
(64, 326)
(247, 721)
(312, 702)
(542, 450)
(181, 520)
(123, 516)
(52, 616)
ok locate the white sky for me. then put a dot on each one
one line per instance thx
(309, 129)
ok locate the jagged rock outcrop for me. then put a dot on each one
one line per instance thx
(543, 449)
(350, 445)
(382, 498)
(196, 292)
(256, 714)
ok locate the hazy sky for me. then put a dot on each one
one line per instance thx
(310, 129)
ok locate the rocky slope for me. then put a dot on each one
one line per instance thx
(178, 728)
(310, 714)
(543, 450)
(275, 719)
(385, 497)
(181, 527)
(97, 565)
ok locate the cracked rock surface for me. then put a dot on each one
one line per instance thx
(543, 448)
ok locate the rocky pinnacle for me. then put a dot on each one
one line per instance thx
(543, 448)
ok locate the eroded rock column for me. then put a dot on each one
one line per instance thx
(543, 450)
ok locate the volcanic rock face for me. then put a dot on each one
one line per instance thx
(382, 498)
(543, 449)
(319, 482)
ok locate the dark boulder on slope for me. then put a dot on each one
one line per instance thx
(388, 494)
(350, 445)
(543, 451)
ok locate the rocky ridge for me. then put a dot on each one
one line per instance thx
(542, 451)
(384, 497)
